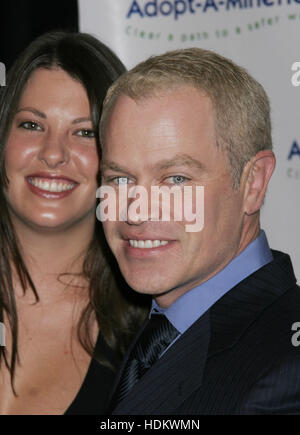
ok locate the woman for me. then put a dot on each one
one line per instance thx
(67, 324)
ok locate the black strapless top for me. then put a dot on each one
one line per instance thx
(92, 398)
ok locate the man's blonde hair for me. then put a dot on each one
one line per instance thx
(240, 105)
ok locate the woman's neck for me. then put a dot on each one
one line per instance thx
(50, 253)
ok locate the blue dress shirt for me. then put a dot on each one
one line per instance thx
(190, 306)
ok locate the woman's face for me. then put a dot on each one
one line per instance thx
(51, 154)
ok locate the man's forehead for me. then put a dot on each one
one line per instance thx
(157, 95)
(165, 118)
(174, 131)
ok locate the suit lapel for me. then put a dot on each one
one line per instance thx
(180, 371)
(169, 382)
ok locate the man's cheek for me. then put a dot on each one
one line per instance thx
(108, 231)
(115, 239)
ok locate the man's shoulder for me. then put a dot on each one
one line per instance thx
(255, 319)
(273, 343)
(252, 345)
(281, 284)
(269, 290)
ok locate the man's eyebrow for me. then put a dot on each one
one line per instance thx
(180, 160)
(32, 110)
(107, 164)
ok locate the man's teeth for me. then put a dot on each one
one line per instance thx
(51, 186)
(147, 243)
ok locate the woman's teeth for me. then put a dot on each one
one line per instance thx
(147, 243)
(51, 186)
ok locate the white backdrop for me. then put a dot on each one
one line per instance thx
(261, 35)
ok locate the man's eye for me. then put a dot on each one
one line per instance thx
(86, 133)
(177, 179)
(122, 180)
(30, 125)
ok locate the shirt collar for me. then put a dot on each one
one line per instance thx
(191, 305)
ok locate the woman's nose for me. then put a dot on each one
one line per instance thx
(54, 151)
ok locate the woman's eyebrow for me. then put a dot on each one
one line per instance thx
(32, 110)
(84, 119)
(44, 116)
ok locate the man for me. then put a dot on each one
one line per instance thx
(227, 303)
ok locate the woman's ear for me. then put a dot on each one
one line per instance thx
(258, 174)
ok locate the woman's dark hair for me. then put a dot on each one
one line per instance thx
(117, 310)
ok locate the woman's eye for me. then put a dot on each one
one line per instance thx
(86, 133)
(30, 125)
(177, 179)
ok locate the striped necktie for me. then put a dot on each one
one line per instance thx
(157, 335)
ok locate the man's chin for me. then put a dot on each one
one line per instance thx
(146, 289)
(145, 286)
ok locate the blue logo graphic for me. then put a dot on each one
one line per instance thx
(294, 151)
(175, 8)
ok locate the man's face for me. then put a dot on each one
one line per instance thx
(166, 141)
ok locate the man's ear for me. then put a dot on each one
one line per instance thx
(258, 174)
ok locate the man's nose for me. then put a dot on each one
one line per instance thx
(143, 205)
(139, 205)
(54, 151)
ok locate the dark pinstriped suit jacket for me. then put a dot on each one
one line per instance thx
(238, 358)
